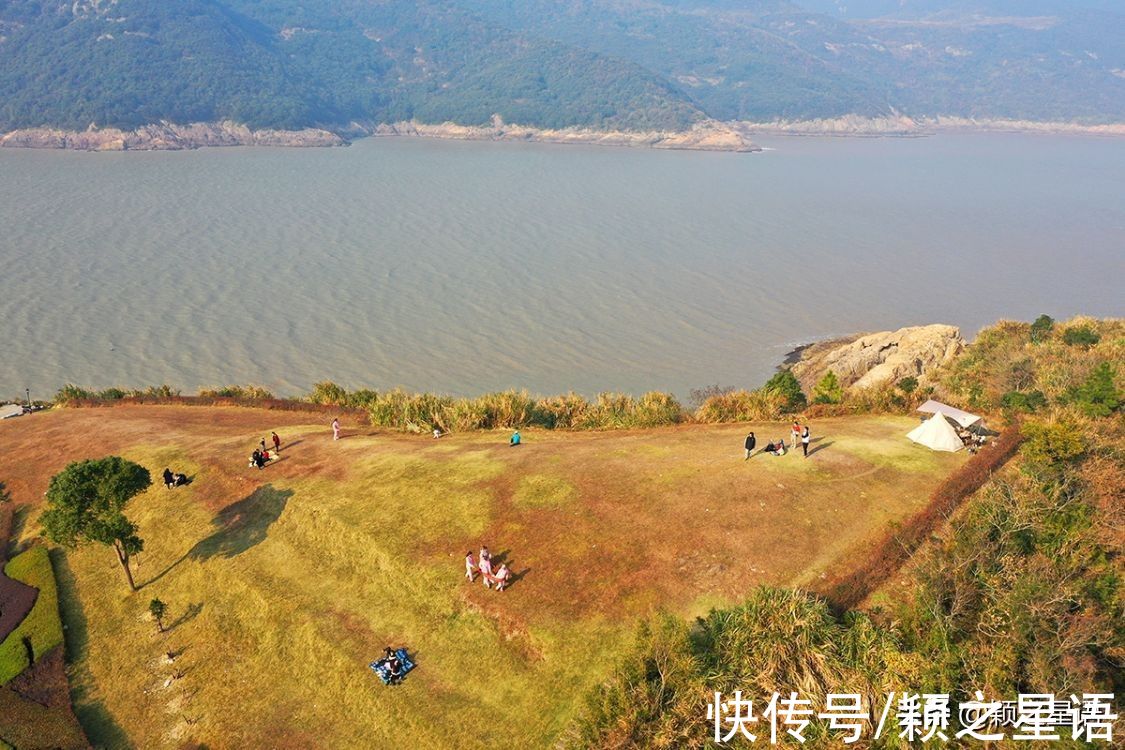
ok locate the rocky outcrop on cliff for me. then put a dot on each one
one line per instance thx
(875, 358)
(704, 136)
(166, 137)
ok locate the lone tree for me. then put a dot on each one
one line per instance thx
(786, 385)
(828, 390)
(157, 608)
(85, 502)
(1041, 329)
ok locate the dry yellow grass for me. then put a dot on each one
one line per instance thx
(283, 584)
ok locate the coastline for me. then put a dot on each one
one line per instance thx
(708, 135)
(704, 136)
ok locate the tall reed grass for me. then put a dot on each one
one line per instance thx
(510, 409)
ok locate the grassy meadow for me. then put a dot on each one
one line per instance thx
(282, 584)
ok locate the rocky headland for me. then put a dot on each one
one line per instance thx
(870, 359)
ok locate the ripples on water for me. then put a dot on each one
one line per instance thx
(466, 267)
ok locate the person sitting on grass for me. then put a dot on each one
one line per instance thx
(777, 449)
(515, 438)
(179, 480)
(394, 669)
(391, 661)
(257, 459)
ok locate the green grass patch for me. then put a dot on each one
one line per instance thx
(42, 624)
(544, 491)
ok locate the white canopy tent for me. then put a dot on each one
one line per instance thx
(937, 434)
(10, 410)
(963, 418)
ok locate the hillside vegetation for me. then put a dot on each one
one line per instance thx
(598, 63)
(1023, 591)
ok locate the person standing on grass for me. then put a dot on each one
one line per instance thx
(484, 564)
(470, 568)
(502, 576)
(794, 434)
(276, 442)
(805, 440)
(169, 479)
(751, 441)
(336, 429)
(262, 446)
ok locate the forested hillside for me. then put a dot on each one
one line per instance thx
(599, 63)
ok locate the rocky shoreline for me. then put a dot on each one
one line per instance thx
(705, 136)
(166, 137)
(856, 126)
(708, 135)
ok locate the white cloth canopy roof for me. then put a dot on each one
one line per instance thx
(963, 418)
(937, 434)
(10, 410)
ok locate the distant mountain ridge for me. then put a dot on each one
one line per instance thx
(604, 64)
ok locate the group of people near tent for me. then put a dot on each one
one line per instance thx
(501, 578)
(798, 433)
(949, 428)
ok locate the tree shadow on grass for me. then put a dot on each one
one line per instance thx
(95, 718)
(189, 614)
(241, 525)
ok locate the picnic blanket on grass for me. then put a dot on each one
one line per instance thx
(384, 672)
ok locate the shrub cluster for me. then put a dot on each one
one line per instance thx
(1024, 368)
(1025, 594)
(70, 393)
(241, 392)
(778, 640)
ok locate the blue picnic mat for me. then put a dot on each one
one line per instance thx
(384, 672)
